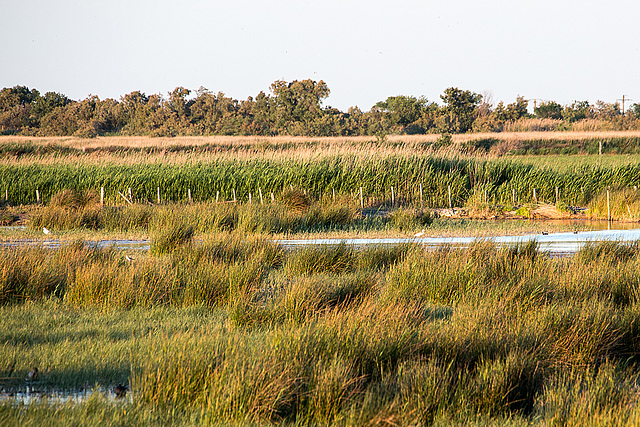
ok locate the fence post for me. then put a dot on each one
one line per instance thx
(189, 194)
(485, 196)
(102, 195)
(249, 198)
(6, 194)
(361, 199)
(557, 195)
(158, 195)
(513, 196)
(37, 196)
(535, 199)
(334, 194)
(130, 194)
(217, 196)
(234, 196)
(260, 191)
(393, 197)
(608, 208)
(273, 199)
(421, 199)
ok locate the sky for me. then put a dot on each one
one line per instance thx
(366, 51)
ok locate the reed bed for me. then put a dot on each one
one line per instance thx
(330, 335)
(320, 178)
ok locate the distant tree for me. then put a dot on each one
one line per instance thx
(179, 106)
(606, 111)
(634, 111)
(16, 108)
(135, 116)
(49, 102)
(512, 112)
(548, 110)
(264, 114)
(579, 110)
(298, 102)
(403, 110)
(518, 110)
(460, 109)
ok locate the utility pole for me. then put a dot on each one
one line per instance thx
(624, 98)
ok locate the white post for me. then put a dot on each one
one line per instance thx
(249, 198)
(102, 195)
(38, 196)
(158, 195)
(608, 208)
(393, 197)
(217, 196)
(421, 199)
(361, 199)
(234, 196)
(261, 201)
(189, 194)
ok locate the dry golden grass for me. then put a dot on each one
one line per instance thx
(122, 149)
(590, 131)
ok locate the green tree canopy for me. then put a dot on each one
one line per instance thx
(461, 105)
(403, 110)
(548, 110)
(298, 101)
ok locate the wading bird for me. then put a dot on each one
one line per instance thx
(32, 375)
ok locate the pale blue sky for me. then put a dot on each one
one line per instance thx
(560, 50)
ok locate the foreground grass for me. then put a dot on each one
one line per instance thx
(292, 215)
(237, 331)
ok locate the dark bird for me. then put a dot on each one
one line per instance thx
(32, 375)
(120, 391)
(545, 233)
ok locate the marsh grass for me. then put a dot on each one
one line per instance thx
(172, 238)
(202, 217)
(237, 331)
(624, 204)
(320, 177)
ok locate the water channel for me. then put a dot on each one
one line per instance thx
(556, 244)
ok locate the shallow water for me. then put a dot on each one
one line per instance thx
(564, 243)
(30, 395)
(553, 243)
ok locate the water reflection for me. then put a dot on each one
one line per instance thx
(29, 396)
(554, 243)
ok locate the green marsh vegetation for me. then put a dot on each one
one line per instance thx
(320, 178)
(236, 330)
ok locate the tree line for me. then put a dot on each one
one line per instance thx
(291, 108)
